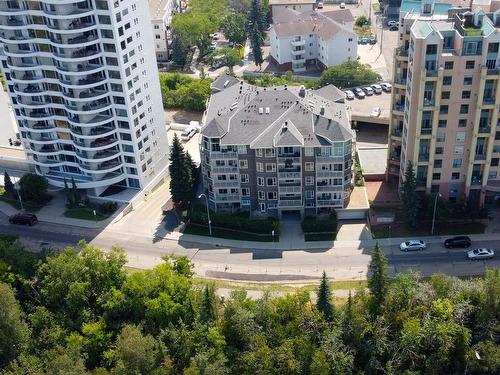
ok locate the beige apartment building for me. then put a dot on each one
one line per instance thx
(445, 108)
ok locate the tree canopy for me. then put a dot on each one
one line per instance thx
(77, 311)
(349, 74)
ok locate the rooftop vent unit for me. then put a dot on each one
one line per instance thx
(311, 103)
(322, 110)
(302, 91)
(261, 110)
(226, 83)
(268, 110)
(285, 125)
(233, 106)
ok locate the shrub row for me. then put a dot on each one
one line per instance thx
(237, 221)
(311, 224)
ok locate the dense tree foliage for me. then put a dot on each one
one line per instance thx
(349, 74)
(234, 27)
(78, 312)
(182, 91)
(33, 188)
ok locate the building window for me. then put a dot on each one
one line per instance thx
(243, 164)
(309, 194)
(309, 166)
(443, 110)
(272, 195)
(261, 195)
(441, 136)
(309, 180)
(492, 175)
(462, 123)
(245, 192)
(309, 151)
(497, 136)
(469, 64)
(459, 150)
(242, 149)
(244, 178)
(262, 207)
(467, 81)
(464, 108)
(439, 150)
(493, 48)
(271, 181)
(445, 95)
(434, 189)
(448, 65)
(442, 123)
(438, 163)
(260, 181)
(436, 176)
(494, 162)
(457, 163)
(258, 152)
(431, 49)
(270, 167)
(465, 94)
(460, 137)
(447, 80)
(269, 152)
(455, 176)
(260, 167)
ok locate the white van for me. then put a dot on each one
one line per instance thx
(320, 5)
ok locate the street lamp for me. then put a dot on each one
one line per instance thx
(208, 212)
(434, 214)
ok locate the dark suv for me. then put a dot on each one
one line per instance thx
(23, 219)
(461, 241)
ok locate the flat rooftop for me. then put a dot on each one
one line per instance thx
(361, 108)
(157, 8)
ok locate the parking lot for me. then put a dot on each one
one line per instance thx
(191, 146)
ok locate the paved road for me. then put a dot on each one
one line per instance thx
(256, 265)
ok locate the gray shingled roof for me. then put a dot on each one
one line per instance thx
(244, 114)
(223, 81)
(332, 93)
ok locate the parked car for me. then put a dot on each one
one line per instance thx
(392, 23)
(372, 40)
(349, 94)
(387, 87)
(188, 133)
(320, 5)
(368, 90)
(363, 40)
(459, 241)
(412, 245)
(479, 254)
(393, 28)
(342, 5)
(212, 47)
(23, 219)
(359, 93)
(375, 112)
(377, 88)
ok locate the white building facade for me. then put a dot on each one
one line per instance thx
(84, 85)
(161, 12)
(312, 38)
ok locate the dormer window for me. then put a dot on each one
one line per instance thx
(426, 8)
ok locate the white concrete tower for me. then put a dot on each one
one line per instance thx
(84, 85)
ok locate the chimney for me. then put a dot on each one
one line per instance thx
(322, 110)
(302, 91)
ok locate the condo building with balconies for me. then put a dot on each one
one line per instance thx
(321, 40)
(84, 87)
(445, 104)
(277, 149)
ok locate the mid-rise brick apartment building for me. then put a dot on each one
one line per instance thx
(445, 103)
(270, 150)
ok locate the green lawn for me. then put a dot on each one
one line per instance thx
(382, 231)
(231, 235)
(15, 203)
(85, 213)
(320, 236)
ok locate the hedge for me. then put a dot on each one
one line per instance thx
(236, 221)
(311, 224)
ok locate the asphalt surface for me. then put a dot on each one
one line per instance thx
(257, 265)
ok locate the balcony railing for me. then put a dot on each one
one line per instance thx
(426, 131)
(484, 129)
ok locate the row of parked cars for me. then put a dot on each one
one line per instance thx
(451, 243)
(361, 92)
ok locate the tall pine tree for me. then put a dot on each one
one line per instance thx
(8, 186)
(255, 29)
(181, 174)
(409, 197)
(208, 311)
(378, 281)
(324, 303)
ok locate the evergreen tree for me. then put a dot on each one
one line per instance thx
(8, 186)
(192, 166)
(348, 318)
(181, 179)
(255, 29)
(409, 197)
(378, 281)
(75, 195)
(208, 313)
(324, 303)
(179, 53)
